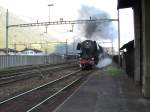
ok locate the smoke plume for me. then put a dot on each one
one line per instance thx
(96, 31)
(104, 60)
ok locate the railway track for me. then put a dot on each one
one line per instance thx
(35, 99)
(20, 69)
(35, 72)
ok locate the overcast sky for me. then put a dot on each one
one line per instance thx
(69, 10)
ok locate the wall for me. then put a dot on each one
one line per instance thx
(18, 60)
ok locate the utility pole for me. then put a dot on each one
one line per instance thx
(29, 45)
(112, 47)
(73, 45)
(49, 5)
(66, 48)
(119, 61)
(46, 48)
(7, 32)
(15, 46)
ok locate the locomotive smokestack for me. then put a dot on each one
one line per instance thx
(96, 31)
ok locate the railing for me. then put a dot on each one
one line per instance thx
(20, 60)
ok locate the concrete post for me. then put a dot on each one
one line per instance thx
(119, 61)
(66, 48)
(138, 42)
(7, 32)
(146, 47)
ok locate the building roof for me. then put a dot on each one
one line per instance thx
(126, 3)
(128, 46)
(9, 50)
(35, 50)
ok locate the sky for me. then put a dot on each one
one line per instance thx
(33, 10)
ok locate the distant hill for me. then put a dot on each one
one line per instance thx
(22, 37)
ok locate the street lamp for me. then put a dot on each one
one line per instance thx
(49, 5)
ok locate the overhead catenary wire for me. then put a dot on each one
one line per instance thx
(62, 22)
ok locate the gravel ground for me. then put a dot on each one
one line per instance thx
(24, 85)
(22, 104)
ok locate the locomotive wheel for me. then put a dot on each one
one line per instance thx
(83, 68)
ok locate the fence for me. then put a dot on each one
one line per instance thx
(20, 60)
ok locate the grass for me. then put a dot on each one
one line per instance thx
(114, 71)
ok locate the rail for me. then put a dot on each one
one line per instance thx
(21, 75)
(39, 87)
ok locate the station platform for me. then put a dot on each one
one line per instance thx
(105, 92)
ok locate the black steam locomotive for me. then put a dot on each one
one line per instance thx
(89, 55)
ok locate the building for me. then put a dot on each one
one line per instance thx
(3, 51)
(28, 51)
(141, 14)
(128, 58)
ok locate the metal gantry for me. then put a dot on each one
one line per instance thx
(61, 22)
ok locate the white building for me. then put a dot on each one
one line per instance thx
(28, 51)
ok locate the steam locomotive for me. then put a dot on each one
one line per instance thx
(89, 55)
